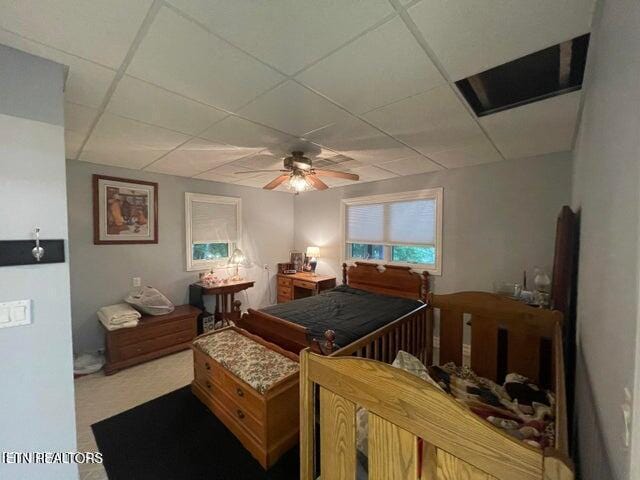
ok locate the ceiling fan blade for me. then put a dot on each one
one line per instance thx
(335, 174)
(275, 182)
(258, 171)
(316, 182)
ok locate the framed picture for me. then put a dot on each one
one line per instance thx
(124, 211)
(297, 259)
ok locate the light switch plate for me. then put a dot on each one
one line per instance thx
(14, 314)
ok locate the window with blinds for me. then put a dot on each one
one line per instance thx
(212, 227)
(398, 228)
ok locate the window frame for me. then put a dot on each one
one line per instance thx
(199, 265)
(436, 193)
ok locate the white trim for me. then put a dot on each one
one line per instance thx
(435, 193)
(189, 198)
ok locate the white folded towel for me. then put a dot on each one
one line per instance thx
(133, 322)
(119, 313)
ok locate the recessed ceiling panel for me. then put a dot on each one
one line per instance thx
(197, 156)
(382, 66)
(182, 57)
(127, 143)
(98, 30)
(471, 36)
(535, 129)
(147, 103)
(86, 83)
(430, 122)
(553, 71)
(356, 139)
(288, 34)
(293, 109)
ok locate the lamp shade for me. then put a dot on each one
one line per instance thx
(237, 257)
(313, 251)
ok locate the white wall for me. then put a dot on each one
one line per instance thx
(101, 274)
(36, 373)
(606, 190)
(499, 219)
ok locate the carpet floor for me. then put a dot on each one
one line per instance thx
(175, 437)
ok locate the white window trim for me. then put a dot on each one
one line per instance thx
(189, 198)
(435, 193)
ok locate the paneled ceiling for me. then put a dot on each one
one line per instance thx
(209, 88)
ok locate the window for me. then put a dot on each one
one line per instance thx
(212, 229)
(403, 229)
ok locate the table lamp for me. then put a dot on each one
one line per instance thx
(237, 257)
(313, 253)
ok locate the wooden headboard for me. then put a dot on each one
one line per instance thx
(387, 279)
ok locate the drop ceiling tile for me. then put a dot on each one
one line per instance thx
(228, 173)
(535, 129)
(127, 143)
(411, 166)
(382, 66)
(147, 103)
(477, 153)
(86, 83)
(261, 161)
(179, 55)
(469, 36)
(197, 156)
(78, 118)
(430, 122)
(288, 34)
(360, 141)
(258, 181)
(370, 173)
(243, 133)
(72, 143)
(98, 30)
(294, 109)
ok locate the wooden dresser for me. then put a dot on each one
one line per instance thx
(155, 336)
(302, 284)
(252, 387)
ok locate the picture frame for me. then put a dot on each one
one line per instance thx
(297, 259)
(125, 211)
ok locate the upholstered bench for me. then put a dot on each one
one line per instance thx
(252, 386)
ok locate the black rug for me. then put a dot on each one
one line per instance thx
(175, 437)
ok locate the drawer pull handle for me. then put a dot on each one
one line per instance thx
(208, 384)
(240, 414)
(207, 366)
(240, 392)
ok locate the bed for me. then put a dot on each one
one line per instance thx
(378, 311)
(455, 443)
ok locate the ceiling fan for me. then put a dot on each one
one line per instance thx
(301, 174)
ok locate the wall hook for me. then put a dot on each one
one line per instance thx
(38, 251)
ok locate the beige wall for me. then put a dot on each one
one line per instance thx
(101, 274)
(607, 192)
(499, 219)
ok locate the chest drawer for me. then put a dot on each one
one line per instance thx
(129, 336)
(244, 396)
(147, 346)
(285, 292)
(284, 282)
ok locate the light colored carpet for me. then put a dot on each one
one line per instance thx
(99, 397)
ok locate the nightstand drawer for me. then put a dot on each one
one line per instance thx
(285, 292)
(303, 284)
(284, 282)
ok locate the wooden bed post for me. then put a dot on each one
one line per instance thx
(425, 286)
(236, 312)
(344, 273)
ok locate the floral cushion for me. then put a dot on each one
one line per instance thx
(248, 360)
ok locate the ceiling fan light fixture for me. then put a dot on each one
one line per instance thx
(298, 182)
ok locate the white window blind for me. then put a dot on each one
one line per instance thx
(410, 222)
(213, 222)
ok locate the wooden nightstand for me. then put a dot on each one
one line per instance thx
(301, 285)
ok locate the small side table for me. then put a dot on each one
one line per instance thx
(225, 296)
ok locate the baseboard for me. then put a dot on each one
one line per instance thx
(466, 348)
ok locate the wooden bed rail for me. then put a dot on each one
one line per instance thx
(401, 409)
